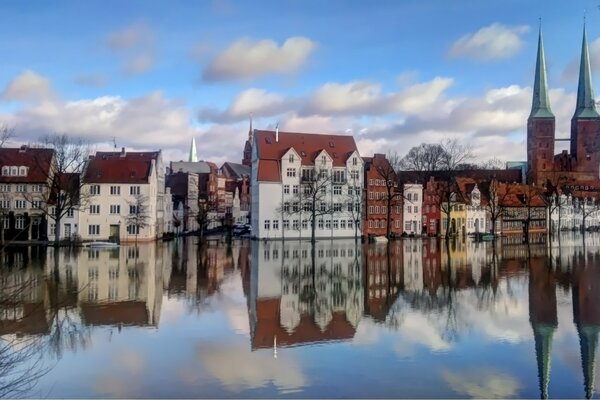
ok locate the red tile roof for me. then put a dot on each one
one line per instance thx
(307, 145)
(120, 167)
(37, 160)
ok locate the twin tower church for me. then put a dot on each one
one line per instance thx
(577, 170)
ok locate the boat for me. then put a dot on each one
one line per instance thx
(380, 239)
(97, 245)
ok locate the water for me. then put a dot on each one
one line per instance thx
(268, 319)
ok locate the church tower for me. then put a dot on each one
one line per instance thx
(585, 124)
(193, 152)
(247, 159)
(540, 124)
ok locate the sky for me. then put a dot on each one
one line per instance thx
(149, 75)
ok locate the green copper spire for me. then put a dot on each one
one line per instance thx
(540, 106)
(586, 106)
(588, 341)
(543, 334)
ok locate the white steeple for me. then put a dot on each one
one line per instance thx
(193, 152)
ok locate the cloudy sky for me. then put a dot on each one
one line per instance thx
(154, 74)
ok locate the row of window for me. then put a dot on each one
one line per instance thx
(296, 253)
(14, 171)
(115, 190)
(411, 209)
(114, 209)
(382, 209)
(382, 223)
(337, 190)
(412, 196)
(94, 229)
(379, 182)
(321, 224)
(20, 188)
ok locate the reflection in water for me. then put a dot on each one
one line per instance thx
(419, 299)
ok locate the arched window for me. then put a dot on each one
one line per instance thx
(13, 171)
(5, 171)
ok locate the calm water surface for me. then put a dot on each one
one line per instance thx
(256, 319)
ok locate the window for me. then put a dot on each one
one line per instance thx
(327, 224)
(323, 206)
(350, 223)
(337, 207)
(343, 224)
(22, 171)
(286, 224)
(320, 225)
(371, 209)
(5, 171)
(93, 229)
(409, 209)
(94, 209)
(370, 182)
(416, 197)
(133, 209)
(336, 224)
(115, 190)
(337, 190)
(409, 197)
(304, 224)
(20, 204)
(4, 187)
(95, 190)
(295, 224)
(370, 224)
(276, 224)
(37, 204)
(295, 189)
(354, 161)
(286, 189)
(291, 158)
(416, 209)
(267, 224)
(4, 204)
(354, 175)
(133, 190)
(36, 188)
(133, 229)
(115, 209)
(70, 213)
(291, 172)
(21, 188)
(14, 171)
(407, 226)
(286, 207)
(20, 222)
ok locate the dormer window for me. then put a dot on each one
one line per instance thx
(5, 171)
(13, 171)
(22, 171)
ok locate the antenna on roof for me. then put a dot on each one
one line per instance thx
(277, 132)
(114, 142)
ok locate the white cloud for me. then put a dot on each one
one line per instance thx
(483, 383)
(358, 97)
(246, 59)
(135, 46)
(490, 43)
(255, 102)
(28, 86)
(571, 72)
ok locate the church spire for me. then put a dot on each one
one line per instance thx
(193, 152)
(543, 335)
(586, 107)
(540, 106)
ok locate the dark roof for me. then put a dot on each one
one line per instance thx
(234, 170)
(120, 167)
(123, 312)
(37, 160)
(307, 145)
(198, 167)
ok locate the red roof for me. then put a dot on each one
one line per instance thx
(36, 160)
(120, 167)
(307, 145)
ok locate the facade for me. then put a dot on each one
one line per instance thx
(413, 210)
(456, 212)
(300, 181)
(126, 197)
(376, 200)
(184, 192)
(431, 208)
(476, 212)
(522, 209)
(578, 169)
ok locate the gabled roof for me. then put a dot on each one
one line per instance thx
(234, 170)
(38, 162)
(200, 167)
(307, 145)
(120, 167)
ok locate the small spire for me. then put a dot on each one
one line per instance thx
(193, 153)
(586, 105)
(540, 106)
(250, 131)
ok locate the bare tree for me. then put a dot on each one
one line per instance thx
(497, 193)
(386, 169)
(354, 202)
(6, 134)
(587, 208)
(138, 217)
(425, 157)
(492, 163)
(205, 214)
(62, 192)
(313, 198)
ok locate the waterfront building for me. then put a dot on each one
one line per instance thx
(413, 211)
(302, 182)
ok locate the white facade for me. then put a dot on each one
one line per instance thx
(269, 198)
(476, 213)
(412, 216)
(568, 214)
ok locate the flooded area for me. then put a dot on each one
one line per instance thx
(414, 318)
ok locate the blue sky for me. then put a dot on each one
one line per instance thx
(393, 73)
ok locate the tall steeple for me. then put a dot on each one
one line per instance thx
(540, 106)
(193, 152)
(586, 107)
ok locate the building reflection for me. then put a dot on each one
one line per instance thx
(299, 295)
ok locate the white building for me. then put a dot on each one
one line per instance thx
(287, 168)
(119, 186)
(476, 212)
(413, 210)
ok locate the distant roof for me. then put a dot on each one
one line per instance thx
(502, 175)
(199, 167)
(120, 167)
(307, 145)
(37, 160)
(236, 170)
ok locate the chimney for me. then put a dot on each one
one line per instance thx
(277, 133)
(122, 151)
